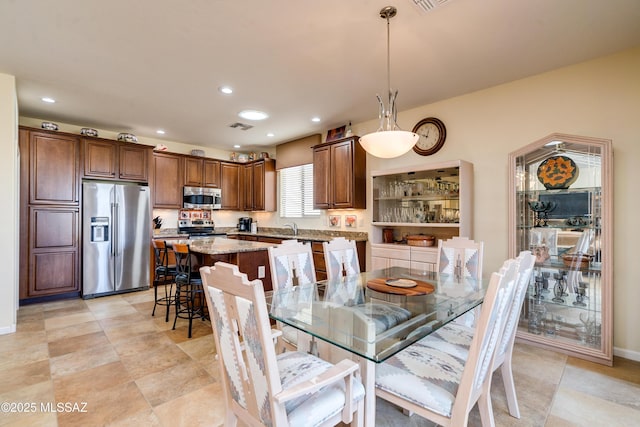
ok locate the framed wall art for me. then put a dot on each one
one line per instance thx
(334, 220)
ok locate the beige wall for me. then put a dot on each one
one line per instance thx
(599, 98)
(9, 194)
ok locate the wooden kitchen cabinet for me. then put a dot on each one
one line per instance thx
(230, 181)
(259, 179)
(193, 171)
(167, 180)
(54, 252)
(339, 175)
(49, 207)
(54, 161)
(211, 173)
(107, 159)
(200, 172)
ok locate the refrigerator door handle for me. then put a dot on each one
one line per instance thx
(114, 228)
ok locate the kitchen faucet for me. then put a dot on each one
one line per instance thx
(294, 227)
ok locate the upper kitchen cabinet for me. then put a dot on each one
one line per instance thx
(200, 172)
(561, 208)
(339, 175)
(54, 162)
(107, 159)
(231, 175)
(167, 180)
(260, 185)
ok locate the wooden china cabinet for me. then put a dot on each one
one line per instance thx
(561, 208)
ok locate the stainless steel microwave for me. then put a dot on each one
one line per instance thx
(201, 198)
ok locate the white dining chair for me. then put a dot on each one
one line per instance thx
(441, 384)
(461, 257)
(291, 264)
(341, 257)
(264, 388)
(462, 335)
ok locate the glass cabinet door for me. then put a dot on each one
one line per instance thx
(561, 210)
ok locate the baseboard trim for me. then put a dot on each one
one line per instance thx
(627, 354)
(8, 329)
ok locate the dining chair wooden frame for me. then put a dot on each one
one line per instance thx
(264, 388)
(291, 264)
(439, 384)
(341, 257)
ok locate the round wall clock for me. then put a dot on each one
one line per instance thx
(432, 133)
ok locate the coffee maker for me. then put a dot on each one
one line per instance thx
(244, 224)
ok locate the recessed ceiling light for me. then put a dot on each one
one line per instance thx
(315, 119)
(49, 100)
(226, 90)
(270, 134)
(160, 132)
(253, 115)
(236, 146)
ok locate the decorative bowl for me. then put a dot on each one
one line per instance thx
(88, 132)
(421, 240)
(577, 260)
(199, 153)
(127, 137)
(49, 126)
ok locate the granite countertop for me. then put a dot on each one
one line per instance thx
(222, 245)
(304, 234)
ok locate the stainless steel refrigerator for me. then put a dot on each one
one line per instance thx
(116, 233)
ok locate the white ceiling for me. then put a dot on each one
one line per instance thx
(137, 66)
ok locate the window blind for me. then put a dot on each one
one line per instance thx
(296, 192)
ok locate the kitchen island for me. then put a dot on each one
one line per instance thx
(251, 258)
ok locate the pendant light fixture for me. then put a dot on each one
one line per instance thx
(389, 140)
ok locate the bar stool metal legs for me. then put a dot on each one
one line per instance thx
(164, 277)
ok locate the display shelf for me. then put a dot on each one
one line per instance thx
(567, 307)
(434, 199)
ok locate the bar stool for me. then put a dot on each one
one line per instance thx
(164, 276)
(189, 296)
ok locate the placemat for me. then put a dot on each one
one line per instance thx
(380, 285)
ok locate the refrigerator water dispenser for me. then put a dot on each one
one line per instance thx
(99, 229)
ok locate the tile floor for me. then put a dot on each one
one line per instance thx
(131, 369)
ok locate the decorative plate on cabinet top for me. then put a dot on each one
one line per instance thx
(557, 172)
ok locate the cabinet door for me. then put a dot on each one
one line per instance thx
(53, 253)
(342, 174)
(100, 158)
(133, 162)
(211, 175)
(54, 163)
(230, 183)
(258, 186)
(193, 172)
(248, 187)
(322, 177)
(167, 188)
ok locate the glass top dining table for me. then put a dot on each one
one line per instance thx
(376, 314)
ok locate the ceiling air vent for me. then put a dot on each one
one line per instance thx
(242, 126)
(427, 5)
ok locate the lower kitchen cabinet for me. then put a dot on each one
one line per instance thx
(53, 253)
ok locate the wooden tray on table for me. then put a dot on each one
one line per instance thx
(400, 286)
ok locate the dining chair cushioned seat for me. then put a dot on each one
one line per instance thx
(385, 316)
(296, 367)
(424, 375)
